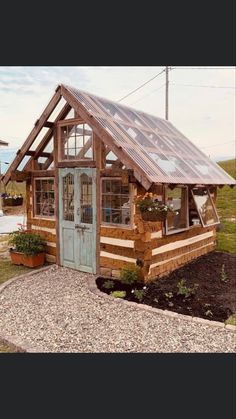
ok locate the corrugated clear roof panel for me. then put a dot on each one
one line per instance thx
(161, 151)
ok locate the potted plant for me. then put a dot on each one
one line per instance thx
(28, 249)
(152, 209)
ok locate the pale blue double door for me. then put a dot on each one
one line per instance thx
(77, 218)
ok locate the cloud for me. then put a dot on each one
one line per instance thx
(206, 116)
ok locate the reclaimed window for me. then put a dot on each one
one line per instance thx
(76, 142)
(44, 198)
(205, 206)
(68, 197)
(86, 205)
(116, 206)
(177, 199)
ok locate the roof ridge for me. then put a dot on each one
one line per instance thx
(115, 102)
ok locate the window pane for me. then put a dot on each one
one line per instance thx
(44, 197)
(77, 142)
(205, 206)
(115, 202)
(68, 197)
(177, 199)
(86, 200)
(116, 217)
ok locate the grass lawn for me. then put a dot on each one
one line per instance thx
(226, 207)
(4, 348)
(8, 270)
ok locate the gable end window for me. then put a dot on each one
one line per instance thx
(116, 205)
(44, 197)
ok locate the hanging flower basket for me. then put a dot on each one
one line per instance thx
(12, 201)
(153, 210)
(154, 216)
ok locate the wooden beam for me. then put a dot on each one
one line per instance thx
(71, 121)
(62, 114)
(56, 191)
(43, 173)
(49, 161)
(106, 138)
(35, 131)
(49, 124)
(80, 163)
(20, 176)
(42, 154)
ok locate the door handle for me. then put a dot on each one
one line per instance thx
(79, 227)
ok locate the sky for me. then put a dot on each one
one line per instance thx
(201, 100)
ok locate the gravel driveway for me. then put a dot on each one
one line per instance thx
(54, 311)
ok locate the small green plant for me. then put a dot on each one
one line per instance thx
(108, 285)
(130, 275)
(223, 274)
(139, 294)
(231, 320)
(184, 290)
(169, 295)
(208, 313)
(27, 243)
(118, 294)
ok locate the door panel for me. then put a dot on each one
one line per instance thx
(77, 210)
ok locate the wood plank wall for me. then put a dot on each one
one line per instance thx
(160, 254)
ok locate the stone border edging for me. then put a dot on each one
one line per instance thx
(13, 342)
(94, 289)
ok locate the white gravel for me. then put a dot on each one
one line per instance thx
(54, 311)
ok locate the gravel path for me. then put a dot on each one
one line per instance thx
(54, 311)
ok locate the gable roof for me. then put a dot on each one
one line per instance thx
(163, 153)
(151, 146)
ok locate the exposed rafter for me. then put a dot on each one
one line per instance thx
(35, 131)
(44, 142)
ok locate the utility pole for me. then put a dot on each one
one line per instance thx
(167, 92)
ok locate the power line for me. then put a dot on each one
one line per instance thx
(142, 85)
(200, 85)
(148, 94)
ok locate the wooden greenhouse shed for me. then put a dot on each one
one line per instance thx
(85, 162)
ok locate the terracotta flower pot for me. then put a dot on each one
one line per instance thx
(31, 261)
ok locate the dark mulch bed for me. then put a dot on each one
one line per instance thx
(215, 295)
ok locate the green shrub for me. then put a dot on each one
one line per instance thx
(109, 284)
(169, 295)
(223, 274)
(139, 294)
(118, 294)
(208, 313)
(131, 275)
(27, 243)
(184, 290)
(231, 320)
